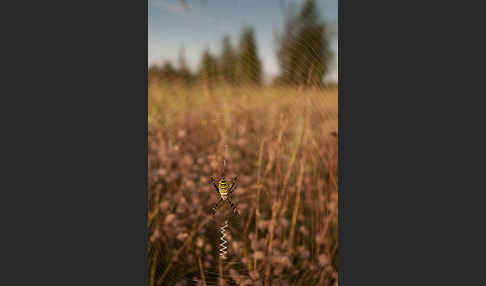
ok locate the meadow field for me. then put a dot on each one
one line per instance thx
(282, 143)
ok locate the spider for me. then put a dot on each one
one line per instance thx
(224, 190)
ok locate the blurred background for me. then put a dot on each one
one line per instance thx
(255, 82)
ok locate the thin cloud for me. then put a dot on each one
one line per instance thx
(178, 8)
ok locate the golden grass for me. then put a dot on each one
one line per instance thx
(281, 142)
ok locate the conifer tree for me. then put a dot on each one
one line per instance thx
(249, 67)
(228, 61)
(208, 72)
(168, 72)
(304, 53)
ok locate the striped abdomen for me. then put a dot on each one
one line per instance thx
(223, 189)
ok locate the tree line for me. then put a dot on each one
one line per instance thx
(303, 55)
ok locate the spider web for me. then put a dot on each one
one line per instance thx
(291, 161)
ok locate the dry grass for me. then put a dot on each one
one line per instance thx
(281, 145)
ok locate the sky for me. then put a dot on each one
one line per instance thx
(203, 24)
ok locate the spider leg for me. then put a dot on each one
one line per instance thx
(233, 186)
(233, 206)
(213, 182)
(213, 210)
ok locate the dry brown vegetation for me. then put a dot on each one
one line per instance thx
(282, 144)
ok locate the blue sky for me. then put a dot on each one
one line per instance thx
(171, 27)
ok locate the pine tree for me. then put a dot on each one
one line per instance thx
(168, 72)
(208, 72)
(228, 61)
(249, 67)
(304, 53)
(286, 45)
